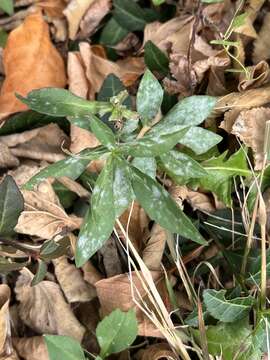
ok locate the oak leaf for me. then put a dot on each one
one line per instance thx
(31, 62)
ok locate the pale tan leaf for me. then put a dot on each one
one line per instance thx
(233, 103)
(7, 160)
(43, 214)
(71, 281)
(40, 144)
(43, 308)
(200, 201)
(74, 186)
(26, 171)
(4, 320)
(90, 273)
(33, 348)
(153, 251)
(115, 292)
(258, 76)
(78, 83)
(262, 43)
(250, 128)
(159, 351)
(95, 13)
(74, 12)
(31, 62)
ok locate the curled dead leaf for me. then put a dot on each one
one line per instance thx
(31, 62)
(43, 308)
(115, 292)
(250, 128)
(95, 13)
(71, 281)
(33, 348)
(74, 12)
(259, 75)
(43, 214)
(153, 251)
(159, 351)
(38, 144)
(7, 160)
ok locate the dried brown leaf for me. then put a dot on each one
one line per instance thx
(52, 8)
(153, 251)
(40, 144)
(262, 43)
(95, 13)
(111, 259)
(250, 128)
(7, 160)
(74, 186)
(259, 75)
(31, 62)
(74, 13)
(233, 103)
(90, 273)
(33, 348)
(43, 308)
(115, 292)
(5, 332)
(43, 214)
(159, 351)
(71, 281)
(25, 172)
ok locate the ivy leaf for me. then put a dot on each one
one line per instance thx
(155, 59)
(72, 167)
(103, 133)
(40, 274)
(149, 97)
(7, 6)
(200, 140)
(181, 167)
(112, 33)
(11, 205)
(153, 144)
(232, 341)
(122, 188)
(112, 86)
(61, 102)
(227, 310)
(99, 221)
(220, 173)
(63, 347)
(116, 332)
(161, 207)
(129, 14)
(147, 165)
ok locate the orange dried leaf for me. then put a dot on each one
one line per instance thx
(31, 62)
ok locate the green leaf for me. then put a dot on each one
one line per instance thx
(253, 276)
(40, 274)
(129, 14)
(239, 20)
(103, 133)
(122, 188)
(220, 173)
(7, 265)
(181, 167)
(112, 33)
(72, 167)
(116, 332)
(11, 205)
(162, 208)
(200, 140)
(61, 102)
(7, 6)
(155, 59)
(225, 43)
(227, 310)
(147, 165)
(63, 347)
(65, 196)
(52, 250)
(190, 111)
(158, 2)
(99, 221)
(3, 38)
(153, 143)
(149, 97)
(112, 86)
(232, 341)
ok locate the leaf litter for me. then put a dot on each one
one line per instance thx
(147, 237)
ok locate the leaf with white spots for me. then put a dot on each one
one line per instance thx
(116, 332)
(180, 167)
(103, 133)
(122, 189)
(147, 165)
(160, 207)
(149, 97)
(99, 221)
